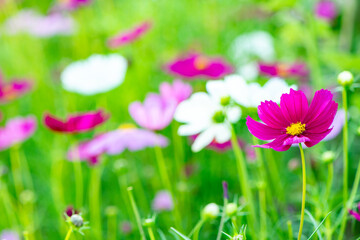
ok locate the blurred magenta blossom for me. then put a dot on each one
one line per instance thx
(94, 75)
(16, 131)
(156, 113)
(115, 142)
(326, 10)
(13, 89)
(129, 36)
(76, 123)
(294, 121)
(31, 22)
(72, 4)
(284, 70)
(178, 91)
(163, 201)
(9, 235)
(356, 215)
(195, 65)
(70, 210)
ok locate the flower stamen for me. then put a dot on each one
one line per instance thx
(295, 128)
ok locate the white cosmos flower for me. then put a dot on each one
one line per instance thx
(204, 114)
(251, 94)
(97, 74)
(248, 48)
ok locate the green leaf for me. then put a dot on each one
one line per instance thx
(314, 223)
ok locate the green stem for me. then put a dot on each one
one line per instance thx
(303, 190)
(94, 201)
(151, 233)
(347, 25)
(243, 176)
(136, 213)
(222, 221)
(262, 199)
(196, 229)
(327, 195)
(68, 234)
(78, 183)
(26, 235)
(290, 231)
(346, 164)
(16, 171)
(111, 230)
(162, 168)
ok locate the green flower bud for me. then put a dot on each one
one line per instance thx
(231, 209)
(345, 78)
(224, 101)
(219, 117)
(149, 222)
(210, 211)
(328, 157)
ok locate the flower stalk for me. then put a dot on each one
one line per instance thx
(303, 164)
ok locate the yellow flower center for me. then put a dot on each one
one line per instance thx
(201, 63)
(128, 126)
(295, 129)
(282, 70)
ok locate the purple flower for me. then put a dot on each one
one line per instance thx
(178, 91)
(326, 10)
(126, 227)
(194, 65)
(115, 142)
(336, 125)
(356, 215)
(16, 131)
(9, 235)
(294, 121)
(156, 113)
(31, 22)
(162, 202)
(70, 210)
(129, 36)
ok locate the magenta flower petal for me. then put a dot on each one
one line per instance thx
(261, 131)
(326, 10)
(294, 106)
(156, 113)
(270, 113)
(129, 36)
(196, 65)
(337, 125)
(76, 123)
(294, 122)
(13, 89)
(355, 214)
(284, 70)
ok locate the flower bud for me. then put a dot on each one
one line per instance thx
(210, 211)
(328, 157)
(77, 220)
(345, 78)
(224, 101)
(149, 222)
(231, 209)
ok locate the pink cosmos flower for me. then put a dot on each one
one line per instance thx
(326, 10)
(13, 89)
(9, 235)
(294, 121)
(129, 36)
(115, 142)
(178, 91)
(284, 70)
(31, 22)
(156, 113)
(194, 65)
(76, 123)
(73, 4)
(16, 131)
(163, 202)
(356, 215)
